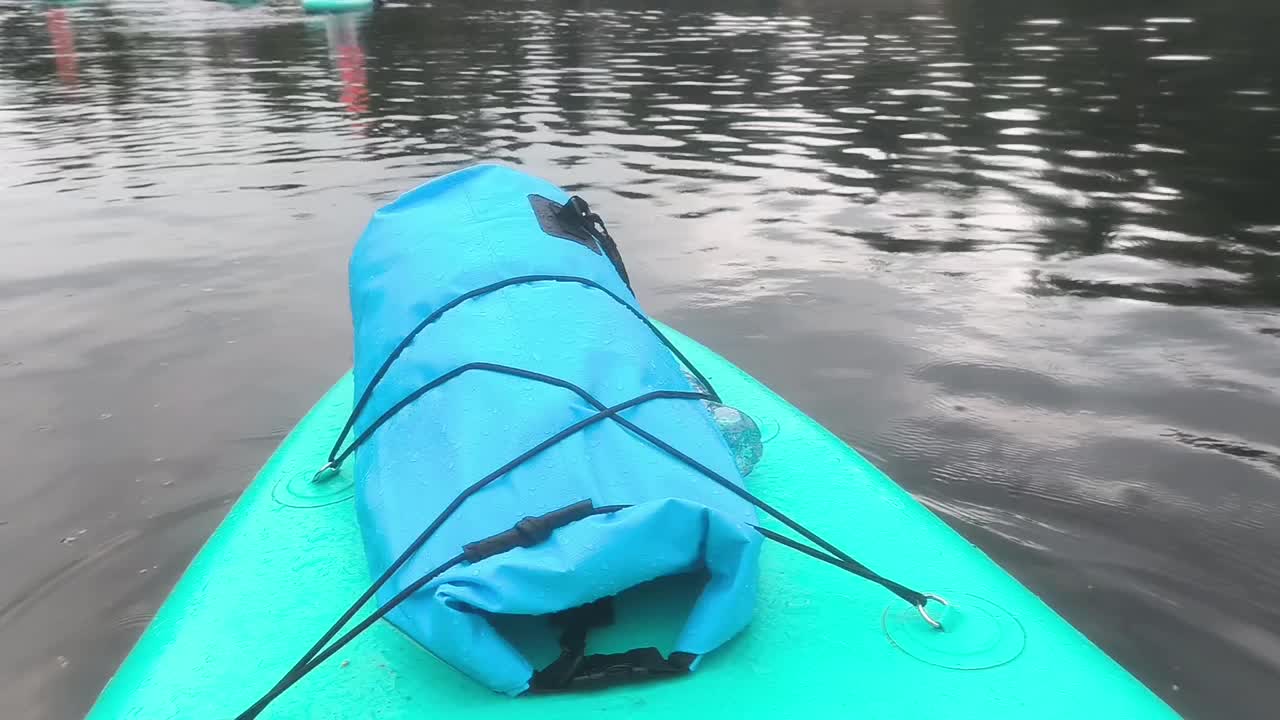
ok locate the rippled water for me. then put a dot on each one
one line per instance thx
(1026, 259)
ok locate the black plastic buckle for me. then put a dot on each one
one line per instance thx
(528, 532)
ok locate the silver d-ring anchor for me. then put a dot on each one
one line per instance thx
(924, 612)
(328, 468)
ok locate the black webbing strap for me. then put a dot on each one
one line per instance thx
(575, 670)
(576, 211)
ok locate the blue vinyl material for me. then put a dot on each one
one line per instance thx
(461, 232)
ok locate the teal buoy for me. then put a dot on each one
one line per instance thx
(336, 6)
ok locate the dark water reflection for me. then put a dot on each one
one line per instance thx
(1024, 255)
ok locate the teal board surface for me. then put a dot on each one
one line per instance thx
(823, 644)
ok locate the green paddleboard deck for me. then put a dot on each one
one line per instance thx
(824, 644)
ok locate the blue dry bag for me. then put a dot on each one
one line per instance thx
(493, 318)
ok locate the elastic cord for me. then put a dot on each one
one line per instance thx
(367, 393)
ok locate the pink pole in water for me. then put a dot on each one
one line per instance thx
(344, 41)
(64, 45)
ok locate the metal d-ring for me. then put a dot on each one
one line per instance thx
(328, 468)
(924, 613)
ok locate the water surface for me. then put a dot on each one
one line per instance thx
(1025, 256)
